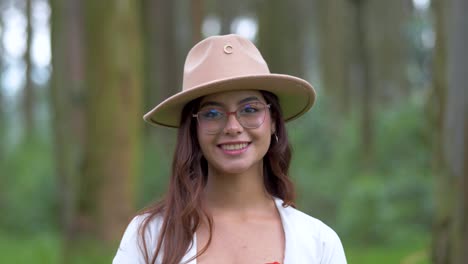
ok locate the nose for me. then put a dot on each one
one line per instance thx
(232, 126)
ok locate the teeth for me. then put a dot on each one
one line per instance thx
(234, 146)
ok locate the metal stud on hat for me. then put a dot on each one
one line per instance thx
(228, 48)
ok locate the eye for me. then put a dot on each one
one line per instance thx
(211, 114)
(249, 109)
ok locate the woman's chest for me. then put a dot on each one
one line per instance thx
(255, 242)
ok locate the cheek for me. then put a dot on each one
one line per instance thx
(204, 141)
(199, 138)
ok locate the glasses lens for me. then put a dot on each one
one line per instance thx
(251, 115)
(211, 120)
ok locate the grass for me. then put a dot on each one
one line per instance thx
(410, 253)
(46, 248)
(42, 248)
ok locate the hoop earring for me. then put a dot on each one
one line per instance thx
(276, 137)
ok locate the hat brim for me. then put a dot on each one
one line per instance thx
(296, 96)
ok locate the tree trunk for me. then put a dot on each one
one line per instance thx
(114, 69)
(444, 186)
(280, 40)
(334, 20)
(464, 208)
(67, 111)
(3, 124)
(363, 58)
(28, 93)
(455, 129)
(450, 240)
(2, 68)
(169, 72)
(386, 25)
(227, 12)
(150, 21)
(197, 19)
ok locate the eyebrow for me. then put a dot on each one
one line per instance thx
(245, 100)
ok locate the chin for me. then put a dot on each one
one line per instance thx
(234, 168)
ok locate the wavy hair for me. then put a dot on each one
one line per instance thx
(181, 209)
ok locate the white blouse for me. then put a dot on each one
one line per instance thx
(308, 240)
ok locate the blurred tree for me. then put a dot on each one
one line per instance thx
(455, 124)
(281, 41)
(150, 16)
(346, 63)
(363, 58)
(336, 39)
(197, 19)
(114, 68)
(2, 68)
(2, 116)
(28, 92)
(450, 239)
(387, 26)
(227, 11)
(167, 53)
(162, 72)
(444, 185)
(67, 104)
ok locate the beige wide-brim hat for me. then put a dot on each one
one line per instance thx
(231, 63)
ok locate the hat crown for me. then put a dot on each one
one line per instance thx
(222, 57)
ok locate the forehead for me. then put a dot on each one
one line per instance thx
(232, 97)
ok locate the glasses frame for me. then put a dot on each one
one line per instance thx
(227, 114)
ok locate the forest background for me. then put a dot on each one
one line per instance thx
(381, 157)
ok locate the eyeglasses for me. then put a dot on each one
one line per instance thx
(212, 119)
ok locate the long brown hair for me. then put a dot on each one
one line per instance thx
(182, 210)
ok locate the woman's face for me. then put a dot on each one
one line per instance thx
(234, 149)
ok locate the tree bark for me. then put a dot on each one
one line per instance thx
(3, 125)
(386, 25)
(197, 19)
(67, 93)
(450, 235)
(227, 12)
(455, 129)
(2, 68)
(114, 68)
(150, 21)
(167, 55)
(335, 22)
(28, 93)
(367, 93)
(281, 40)
(443, 185)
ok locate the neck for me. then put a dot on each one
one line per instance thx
(236, 192)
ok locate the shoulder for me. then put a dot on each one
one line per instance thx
(309, 225)
(312, 237)
(131, 245)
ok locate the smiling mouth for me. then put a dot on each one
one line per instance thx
(238, 146)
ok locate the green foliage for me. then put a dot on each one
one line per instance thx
(383, 201)
(156, 169)
(388, 201)
(29, 199)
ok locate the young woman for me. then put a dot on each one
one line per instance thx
(230, 199)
